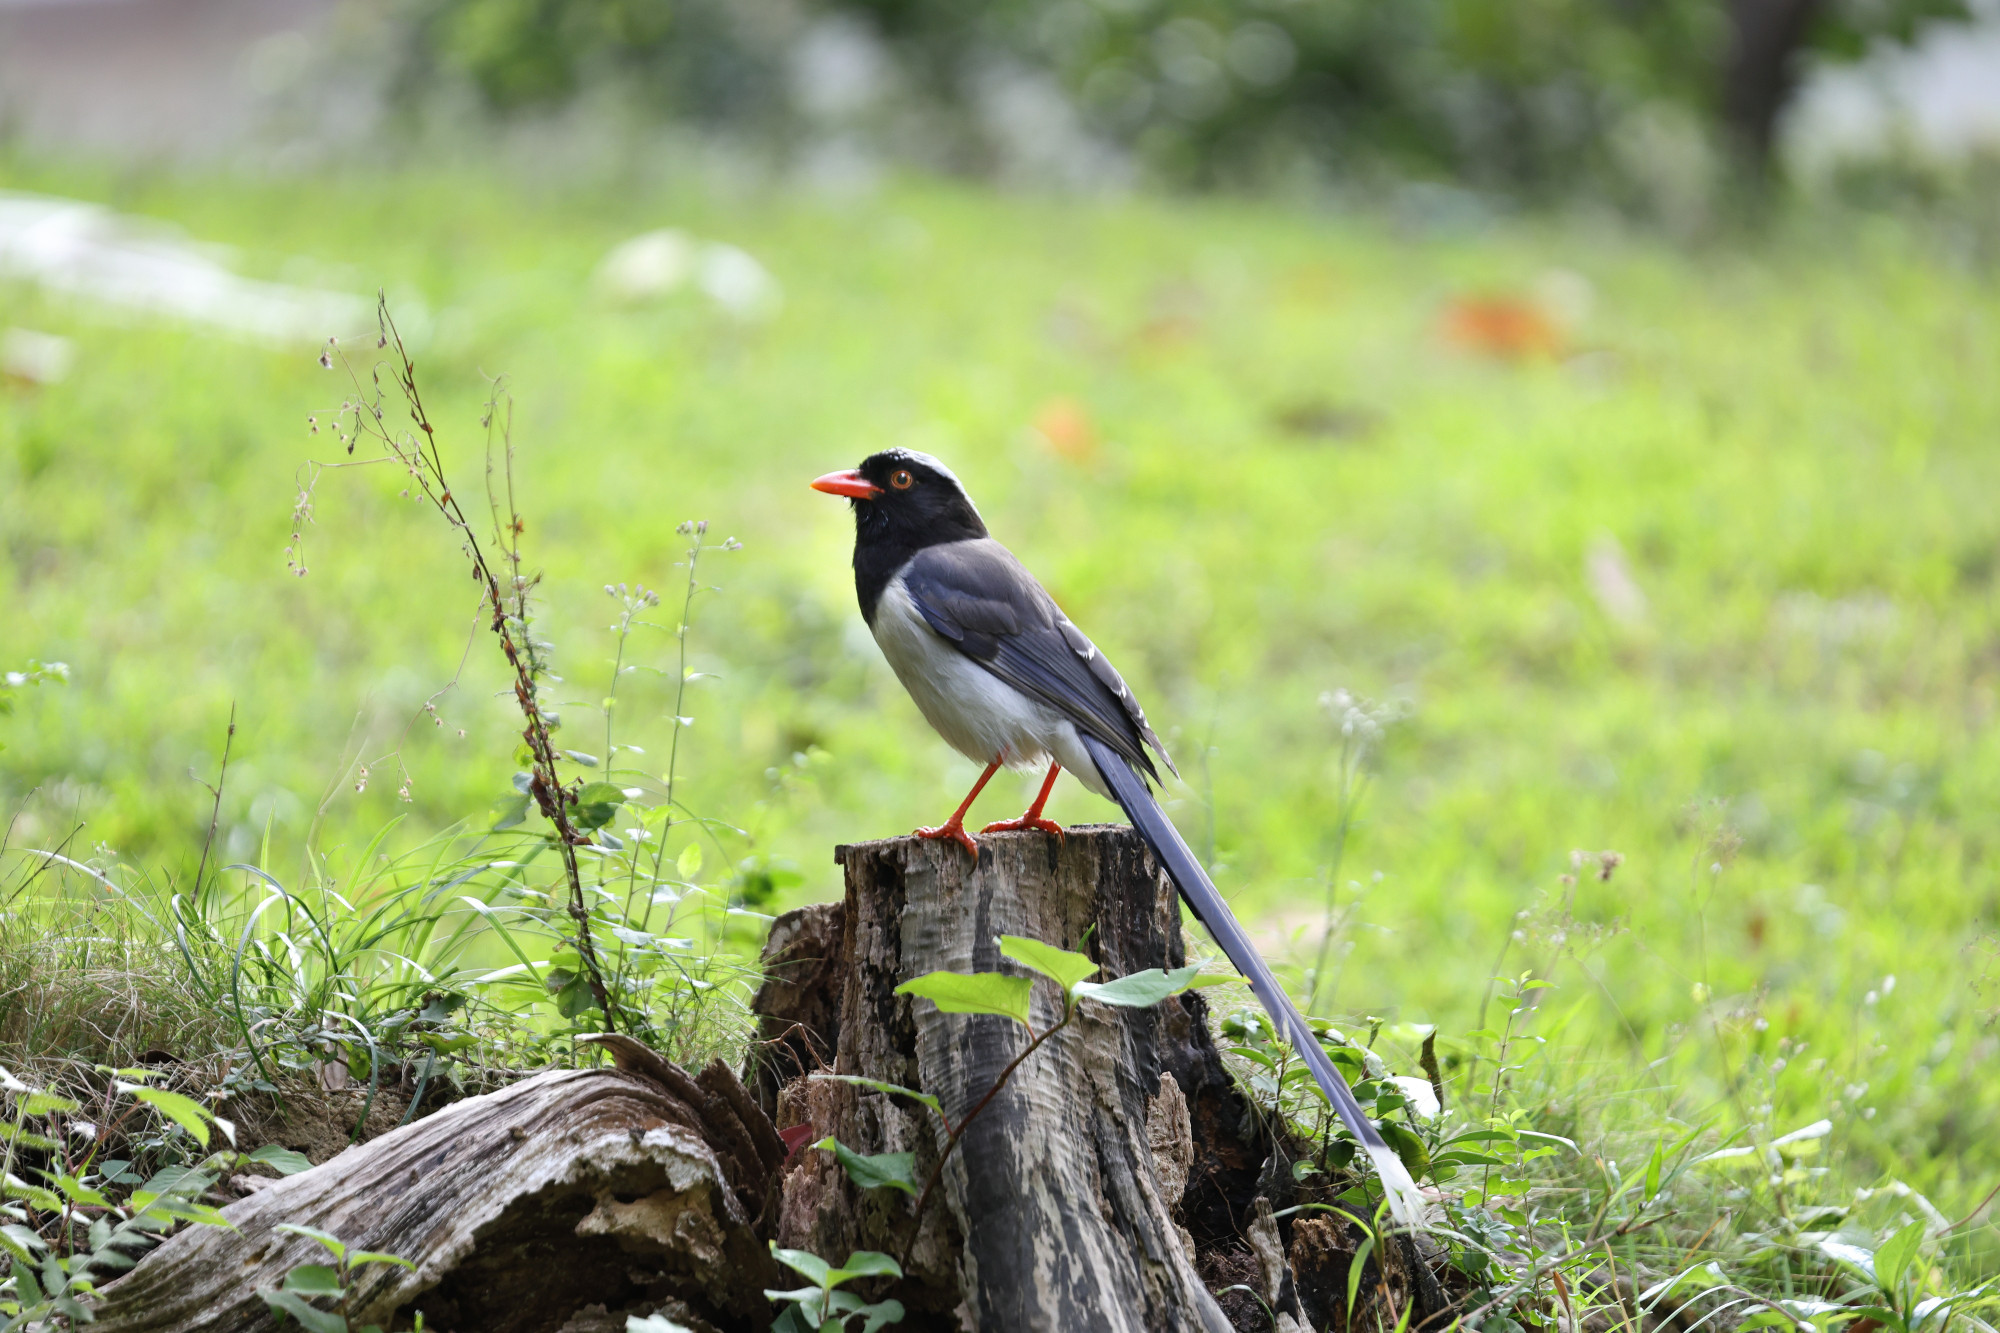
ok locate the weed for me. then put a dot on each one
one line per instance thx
(303, 1284)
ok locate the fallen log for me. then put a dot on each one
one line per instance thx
(573, 1194)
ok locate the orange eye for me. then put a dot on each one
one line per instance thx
(901, 480)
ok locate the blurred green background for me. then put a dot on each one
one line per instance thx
(1641, 525)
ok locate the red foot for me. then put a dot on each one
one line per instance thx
(955, 831)
(1025, 822)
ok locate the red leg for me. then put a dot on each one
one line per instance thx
(1033, 819)
(954, 827)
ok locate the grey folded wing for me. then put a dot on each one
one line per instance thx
(976, 595)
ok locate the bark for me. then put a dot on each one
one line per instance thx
(574, 1195)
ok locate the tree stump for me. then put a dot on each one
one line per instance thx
(1058, 1212)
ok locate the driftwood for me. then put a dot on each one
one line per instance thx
(562, 1202)
(1119, 1166)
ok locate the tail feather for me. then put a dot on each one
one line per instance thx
(1405, 1204)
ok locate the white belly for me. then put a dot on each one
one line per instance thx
(978, 714)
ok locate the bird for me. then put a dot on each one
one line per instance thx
(1006, 679)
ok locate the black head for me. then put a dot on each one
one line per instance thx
(906, 499)
(903, 502)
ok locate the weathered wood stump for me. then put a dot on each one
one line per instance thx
(562, 1202)
(1066, 1201)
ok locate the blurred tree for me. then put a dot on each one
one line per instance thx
(1528, 96)
(708, 61)
(1768, 38)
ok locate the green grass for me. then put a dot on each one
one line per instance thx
(1791, 441)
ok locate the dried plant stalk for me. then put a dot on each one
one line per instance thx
(508, 603)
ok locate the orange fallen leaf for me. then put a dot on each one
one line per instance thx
(1511, 328)
(1065, 424)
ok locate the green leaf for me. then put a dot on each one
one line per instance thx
(1653, 1165)
(890, 1170)
(791, 1321)
(1255, 1056)
(362, 1257)
(1857, 1257)
(19, 1241)
(446, 1043)
(77, 1192)
(1059, 965)
(314, 1280)
(979, 993)
(803, 1262)
(688, 863)
(1139, 990)
(878, 1085)
(45, 1103)
(571, 991)
(595, 805)
(1354, 1270)
(508, 812)
(881, 1313)
(1893, 1256)
(578, 756)
(287, 1162)
(866, 1263)
(1408, 1147)
(326, 1238)
(183, 1111)
(809, 1311)
(311, 1319)
(35, 1196)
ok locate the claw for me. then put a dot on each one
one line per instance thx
(956, 832)
(1023, 823)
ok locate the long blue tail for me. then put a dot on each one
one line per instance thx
(1160, 834)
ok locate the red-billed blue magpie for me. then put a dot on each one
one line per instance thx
(1005, 678)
